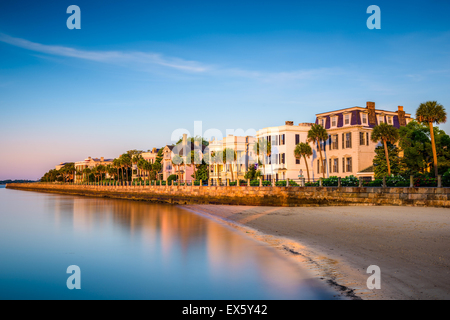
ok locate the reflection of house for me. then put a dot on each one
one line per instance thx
(282, 163)
(242, 146)
(349, 149)
(90, 163)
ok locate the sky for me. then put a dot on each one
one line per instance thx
(138, 70)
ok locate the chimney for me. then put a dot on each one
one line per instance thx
(154, 150)
(289, 123)
(401, 116)
(370, 106)
(89, 158)
(184, 138)
(102, 158)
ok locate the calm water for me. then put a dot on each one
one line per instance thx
(132, 250)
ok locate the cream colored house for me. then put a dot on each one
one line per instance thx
(282, 163)
(349, 149)
(233, 170)
(90, 163)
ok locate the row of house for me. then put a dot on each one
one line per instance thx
(347, 151)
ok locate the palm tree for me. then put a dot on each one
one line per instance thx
(177, 161)
(195, 159)
(87, 172)
(125, 161)
(135, 160)
(229, 156)
(317, 134)
(117, 163)
(263, 148)
(386, 133)
(431, 112)
(303, 150)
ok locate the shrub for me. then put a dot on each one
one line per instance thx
(446, 179)
(350, 181)
(330, 182)
(374, 183)
(425, 182)
(172, 177)
(312, 184)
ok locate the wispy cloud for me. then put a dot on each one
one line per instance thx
(107, 56)
(143, 59)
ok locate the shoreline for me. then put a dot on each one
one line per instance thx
(320, 245)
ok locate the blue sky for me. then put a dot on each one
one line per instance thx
(138, 70)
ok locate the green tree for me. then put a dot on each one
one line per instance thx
(303, 150)
(317, 134)
(381, 165)
(385, 133)
(431, 112)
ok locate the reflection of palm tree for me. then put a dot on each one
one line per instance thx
(431, 112)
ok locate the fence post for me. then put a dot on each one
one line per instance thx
(384, 182)
(303, 182)
(260, 181)
(411, 181)
(320, 182)
(339, 182)
(360, 183)
(248, 182)
(439, 181)
(238, 183)
(227, 182)
(287, 182)
(273, 182)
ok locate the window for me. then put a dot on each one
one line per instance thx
(343, 164)
(275, 140)
(367, 138)
(322, 122)
(364, 118)
(282, 140)
(334, 121)
(389, 120)
(335, 142)
(297, 139)
(297, 161)
(336, 165)
(348, 140)
(380, 119)
(283, 158)
(321, 169)
(349, 165)
(362, 140)
(347, 119)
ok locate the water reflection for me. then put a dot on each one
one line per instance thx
(134, 250)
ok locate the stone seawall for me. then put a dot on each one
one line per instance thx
(256, 196)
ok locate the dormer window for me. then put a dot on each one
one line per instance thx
(347, 119)
(334, 121)
(322, 122)
(389, 120)
(380, 119)
(364, 118)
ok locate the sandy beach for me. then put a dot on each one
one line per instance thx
(411, 245)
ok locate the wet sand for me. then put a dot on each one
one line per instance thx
(411, 245)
